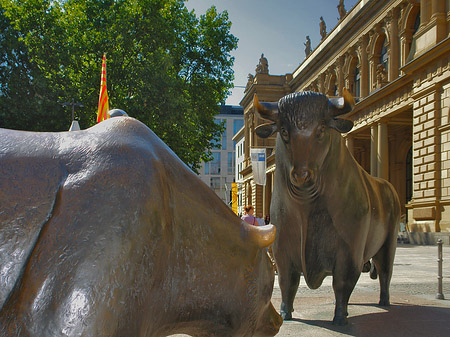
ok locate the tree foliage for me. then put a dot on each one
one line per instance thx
(165, 66)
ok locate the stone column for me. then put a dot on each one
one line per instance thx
(349, 75)
(340, 74)
(247, 135)
(394, 44)
(425, 12)
(383, 154)
(373, 150)
(373, 73)
(258, 199)
(364, 64)
(438, 15)
(322, 83)
(406, 40)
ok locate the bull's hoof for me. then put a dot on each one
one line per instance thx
(286, 316)
(384, 303)
(342, 320)
(373, 272)
(366, 267)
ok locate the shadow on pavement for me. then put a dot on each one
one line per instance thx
(399, 319)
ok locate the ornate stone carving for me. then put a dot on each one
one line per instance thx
(250, 79)
(263, 66)
(381, 75)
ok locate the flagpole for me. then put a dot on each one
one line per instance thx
(103, 105)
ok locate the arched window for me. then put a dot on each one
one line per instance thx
(357, 83)
(416, 23)
(412, 44)
(384, 58)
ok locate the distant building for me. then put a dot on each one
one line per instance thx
(393, 56)
(239, 140)
(220, 172)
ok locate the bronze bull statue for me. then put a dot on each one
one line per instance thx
(332, 216)
(105, 232)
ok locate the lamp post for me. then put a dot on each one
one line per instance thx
(439, 295)
(74, 126)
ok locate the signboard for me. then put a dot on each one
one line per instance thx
(258, 157)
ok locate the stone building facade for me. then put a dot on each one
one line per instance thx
(394, 57)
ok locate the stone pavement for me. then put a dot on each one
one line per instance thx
(414, 310)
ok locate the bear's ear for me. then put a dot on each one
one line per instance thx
(266, 130)
(341, 125)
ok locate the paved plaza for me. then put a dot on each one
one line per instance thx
(414, 309)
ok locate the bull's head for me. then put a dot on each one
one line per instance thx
(307, 123)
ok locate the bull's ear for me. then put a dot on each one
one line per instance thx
(342, 105)
(341, 125)
(266, 130)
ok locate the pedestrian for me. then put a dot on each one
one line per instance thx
(260, 220)
(248, 215)
(267, 219)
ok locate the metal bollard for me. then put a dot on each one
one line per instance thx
(439, 295)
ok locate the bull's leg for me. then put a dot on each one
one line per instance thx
(289, 280)
(345, 277)
(384, 261)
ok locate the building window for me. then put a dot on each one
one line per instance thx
(207, 168)
(215, 183)
(384, 58)
(231, 163)
(215, 163)
(416, 23)
(237, 125)
(357, 83)
(221, 143)
(224, 139)
(412, 43)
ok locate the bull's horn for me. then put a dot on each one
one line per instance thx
(261, 236)
(267, 110)
(342, 105)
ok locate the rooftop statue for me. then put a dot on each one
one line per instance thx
(341, 9)
(323, 28)
(307, 46)
(250, 79)
(263, 66)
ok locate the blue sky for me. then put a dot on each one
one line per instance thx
(277, 28)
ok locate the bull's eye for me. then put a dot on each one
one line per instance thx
(284, 134)
(320, 132)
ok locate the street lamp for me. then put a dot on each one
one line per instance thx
(74, 126)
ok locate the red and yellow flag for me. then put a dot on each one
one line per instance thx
(103, 105)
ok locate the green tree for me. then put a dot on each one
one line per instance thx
(165, 66)
(25, 101)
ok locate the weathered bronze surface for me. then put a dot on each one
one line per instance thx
(105, 232)
(332, 216)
